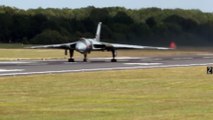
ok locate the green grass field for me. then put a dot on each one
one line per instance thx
(148, 94)
(18, 54)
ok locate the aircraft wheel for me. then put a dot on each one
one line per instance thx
(85, 60)
(71, 60)
(113, 60)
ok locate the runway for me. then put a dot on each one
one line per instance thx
(29, 67)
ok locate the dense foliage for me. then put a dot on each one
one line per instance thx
(150, 26)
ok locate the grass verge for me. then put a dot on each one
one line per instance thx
(148, 94)
(19, 54)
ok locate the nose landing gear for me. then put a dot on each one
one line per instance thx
(85, 58)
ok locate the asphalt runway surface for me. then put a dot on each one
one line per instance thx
(29, 67)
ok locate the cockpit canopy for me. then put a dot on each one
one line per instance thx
(82, 38)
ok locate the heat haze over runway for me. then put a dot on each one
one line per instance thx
(29, 67)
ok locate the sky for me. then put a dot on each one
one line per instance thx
(203, 5)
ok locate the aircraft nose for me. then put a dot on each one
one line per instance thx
(81, 47)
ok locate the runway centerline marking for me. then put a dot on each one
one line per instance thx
(145, 64)
(186, 58)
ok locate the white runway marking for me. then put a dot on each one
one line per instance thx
(157, 59)
(207, 57)
(145, 64)
(14, 62)
(207, 54)
(186, 58)
(119, 58)
(103, 69)
(12, 70)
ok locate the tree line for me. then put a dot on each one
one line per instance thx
(150, 26)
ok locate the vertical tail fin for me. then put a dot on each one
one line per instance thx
(98, 32)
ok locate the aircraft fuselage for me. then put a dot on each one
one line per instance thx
(85, 46)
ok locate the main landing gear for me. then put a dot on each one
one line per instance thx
(71, 56)
(113, 56)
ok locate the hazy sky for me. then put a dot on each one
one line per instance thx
(204, 5)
